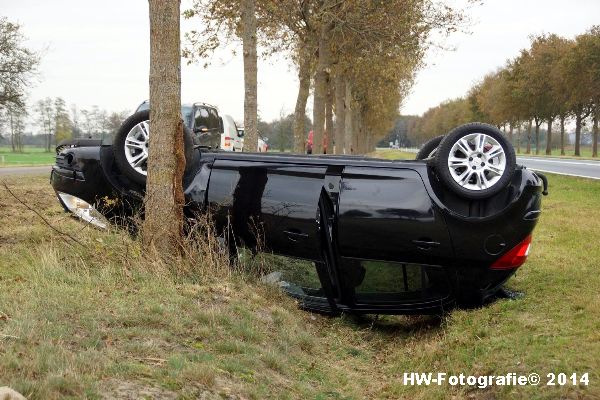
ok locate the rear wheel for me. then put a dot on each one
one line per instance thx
(131, 143)
(475, 161)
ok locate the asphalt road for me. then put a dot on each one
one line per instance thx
(562, 166)
(18, 171)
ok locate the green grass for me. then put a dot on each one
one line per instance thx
(393, 155)
(101, 321)
(30, 156)
(586, 153)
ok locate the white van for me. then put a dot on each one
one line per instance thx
(230, 138)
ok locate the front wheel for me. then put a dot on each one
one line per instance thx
(475, 161)
(130, 146)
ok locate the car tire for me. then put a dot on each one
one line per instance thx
(428, 150)
(136, 128)
(475, 161)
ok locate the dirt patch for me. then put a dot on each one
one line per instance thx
(116, 389)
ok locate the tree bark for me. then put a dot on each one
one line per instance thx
(549, 137)
(301, 99)
(562, 135)
(510, 133)
(578, 119)
(340, 113)
(320, 93)
(595, 135)
(348, 120)
(163, 224)
(250, 75)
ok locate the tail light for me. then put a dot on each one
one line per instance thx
(227, 141)
(515, 257)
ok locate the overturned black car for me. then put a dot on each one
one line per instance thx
(377, 236)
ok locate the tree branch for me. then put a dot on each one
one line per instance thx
(41, 216)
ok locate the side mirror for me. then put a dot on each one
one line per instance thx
(240, 134)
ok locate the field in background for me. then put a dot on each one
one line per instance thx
(30, 156)
(98, 320)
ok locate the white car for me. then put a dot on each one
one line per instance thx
(230, 138)
(262, 142)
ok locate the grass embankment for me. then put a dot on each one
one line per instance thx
(30, 156)
(99, 321)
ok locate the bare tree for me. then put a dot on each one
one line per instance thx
(45, 120)
(163, 225)
(16, 117)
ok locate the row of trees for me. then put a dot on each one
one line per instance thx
(554, 81)
(53, 121)
(359, 57)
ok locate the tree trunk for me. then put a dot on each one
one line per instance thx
(340, 113)
(518, 137)
(360, 139)
(537, 136)
(163, 224)
(510, 132)
(356, 131)
(528, 150)
(250, 75)
(549, 137)
(578, 119)
(12, 131)
(562, 135)
(321, 90)
(300, 111)
(595, 135)
(328, 134)
(348, 120)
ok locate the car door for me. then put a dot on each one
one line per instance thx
(386, 213)
(269, 205)
(391, 238)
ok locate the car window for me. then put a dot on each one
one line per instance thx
(186, 114)
(186, 111)
(208, 117)
(143, 107)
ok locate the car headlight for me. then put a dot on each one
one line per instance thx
(83, 210)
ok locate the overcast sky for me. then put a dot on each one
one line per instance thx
(97, 53)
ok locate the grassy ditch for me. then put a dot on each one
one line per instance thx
(99, 320)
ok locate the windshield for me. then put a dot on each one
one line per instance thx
(207, 117)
